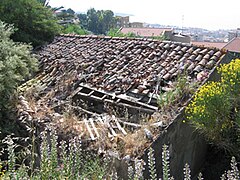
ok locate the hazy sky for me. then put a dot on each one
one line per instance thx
(209, 14)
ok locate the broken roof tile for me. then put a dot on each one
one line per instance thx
(121, 64)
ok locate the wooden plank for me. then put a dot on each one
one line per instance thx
(100, 120)
(90, 93)
(96, 97)
(104, 97)
(142, 109)
(94, 128)
(89, 129)
(131, 124)
(120, 97)
(119, 126)
(106, 121)
(83, 110)
(74, 92)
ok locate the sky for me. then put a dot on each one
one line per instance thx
(208, 14)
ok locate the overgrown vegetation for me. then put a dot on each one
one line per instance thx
(16, 64)
(180, 91)
(34, 22)
(215, 109)
(63, 160)
(69, 161)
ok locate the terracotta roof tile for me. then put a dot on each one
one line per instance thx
(233, 45)
(218, 45)
(120, 65)
(145, 32)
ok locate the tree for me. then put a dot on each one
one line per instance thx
(74, 29)
(43, 2)
(99, 22)
(34, 22)
(16, 64)
(109, 20)
(93, 22)
(83, 20)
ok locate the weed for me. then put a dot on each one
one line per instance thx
(70, 161)
(151, 164)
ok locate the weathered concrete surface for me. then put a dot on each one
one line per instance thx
(185, 146)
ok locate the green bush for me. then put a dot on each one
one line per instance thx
(215, 109)
(16, 64)
(74, 29)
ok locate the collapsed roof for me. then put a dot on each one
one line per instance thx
(129, 72)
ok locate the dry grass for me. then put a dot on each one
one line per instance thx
(68, 123)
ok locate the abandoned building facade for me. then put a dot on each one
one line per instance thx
(105, 78)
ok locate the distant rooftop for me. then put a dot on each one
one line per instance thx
(146, 32)
(233, 45)
(218, 45)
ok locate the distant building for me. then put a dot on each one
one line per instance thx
(218, 45)
(178, 37)
(233, 45)
(122, 22)
(148, 32)
(233, 34)
(69, 21)
(167, 33)
(136, 25)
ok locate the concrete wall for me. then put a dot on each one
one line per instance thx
(181, 38)
(136, 25)
(185, 146)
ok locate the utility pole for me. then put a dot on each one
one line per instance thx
(182, 22)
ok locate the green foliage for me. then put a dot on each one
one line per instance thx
(132, 35)
(151, 164)
(74, 29)
(16, 64)
(65, 14)
(160, 37)
(71, 162)
(165, 162)
(181, 90)
(43, 2)
(215, 109)
(35, 23)
(83, 20)
(117, 33)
